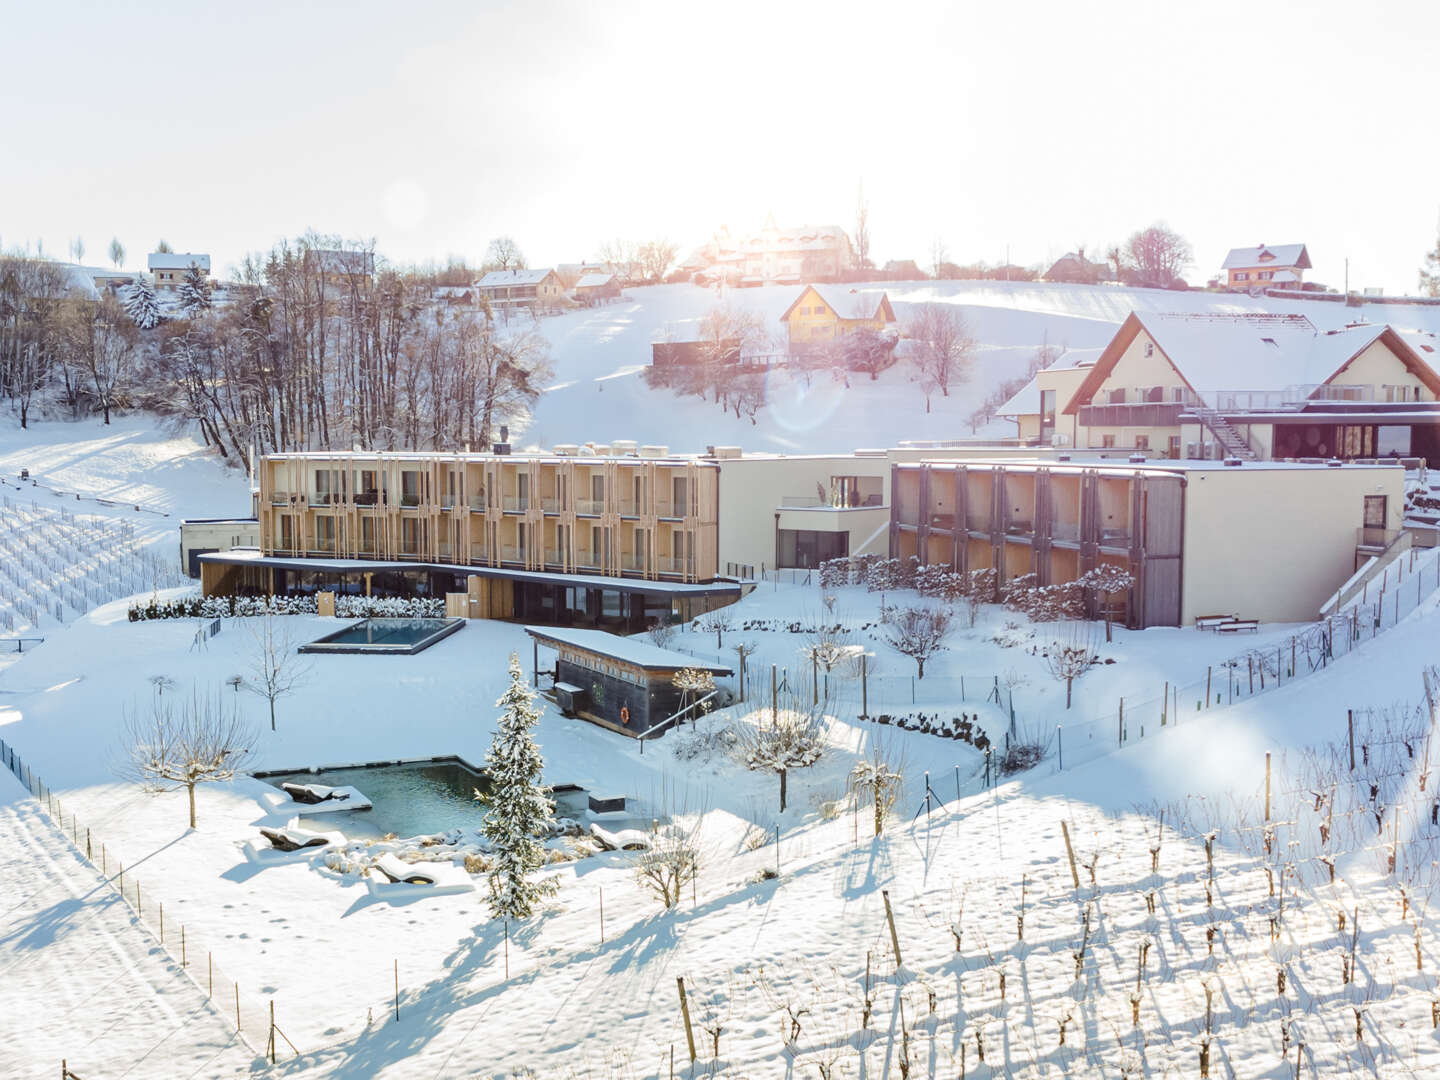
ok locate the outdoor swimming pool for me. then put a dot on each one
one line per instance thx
(395, 636)
(415, 798)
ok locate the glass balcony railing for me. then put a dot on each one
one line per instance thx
(515, 503)
(476, 502)
(669, 564)
(479, 553)
(552, 556)
(593, 507)
(586, 560)
(511, 554)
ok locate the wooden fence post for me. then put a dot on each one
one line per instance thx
(1070, 853)
(1350, 728)
(1267, 785)
(685, 1012)
(890, 918)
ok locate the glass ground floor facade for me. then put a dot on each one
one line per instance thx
(620, 605)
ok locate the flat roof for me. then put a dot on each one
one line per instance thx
(254, 557)
(476, 455)
(1177, 466)
(630, 650)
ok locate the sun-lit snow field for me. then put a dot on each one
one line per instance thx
(798, 975)
(599, 354)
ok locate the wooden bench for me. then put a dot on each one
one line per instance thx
(1210, 622)
(1234, 626)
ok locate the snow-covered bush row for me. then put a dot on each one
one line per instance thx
(962, 728)
(399, 607)
(346, 607)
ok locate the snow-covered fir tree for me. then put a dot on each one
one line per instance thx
(195, 290)
(141, 304)
(519, 810)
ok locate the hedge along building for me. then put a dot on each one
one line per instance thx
(617, 536)
(1258, 387)
(624, 684)
(1267, 540)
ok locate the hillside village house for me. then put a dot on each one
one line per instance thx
(775, 255)
(168, 268)
(1075, 269)
(1263, 266)
(1264, 540)
(823, 313)
(538, 289)
(1250, 386)
(596, 288)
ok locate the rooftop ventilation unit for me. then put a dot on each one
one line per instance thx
(723, 453)
(566, 449)
(1137, 459)
(1232, 462)
(623, 446)
(655, 451)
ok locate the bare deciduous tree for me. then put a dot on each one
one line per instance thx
(1158, 254)
(918, 633)
(1107, 580)
(184, 743)
(117, 252)
(719, 621)
(793, 739)
(672, 860)
(943, 347)
(276, 668)
(878, 779)
(1070, 654)
(503, 253)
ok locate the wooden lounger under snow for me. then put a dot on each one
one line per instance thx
(290, 840)
(624, 840)
(313, 793)
(402, 872)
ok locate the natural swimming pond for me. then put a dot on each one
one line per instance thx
(415, 798)
(379, 635)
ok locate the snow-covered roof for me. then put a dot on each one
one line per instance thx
(1267, 255)
(847, 303)
(628, 650)
(501, 278)
(178, 260)
(1218, 352)
(594, 280)
(1024, 402)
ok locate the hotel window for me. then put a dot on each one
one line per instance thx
(1142, 442)
(1174, 451)
(287, 532)
(410, 488)
(324, 533)
(1107, 440)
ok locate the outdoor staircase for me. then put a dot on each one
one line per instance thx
(1231, 440)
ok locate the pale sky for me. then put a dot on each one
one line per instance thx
(433, 126)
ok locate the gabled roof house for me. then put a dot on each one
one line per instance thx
(1265, 266)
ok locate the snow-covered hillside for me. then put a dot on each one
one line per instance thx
(599, 354)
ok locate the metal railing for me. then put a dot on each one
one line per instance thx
(1133, 414)
(672, 719)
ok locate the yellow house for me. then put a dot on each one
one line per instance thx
(823, 313)
(1258, 387)
(1263, 266)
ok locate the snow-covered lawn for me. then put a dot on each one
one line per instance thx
(272, 926)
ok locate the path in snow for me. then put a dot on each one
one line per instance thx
(79, 980)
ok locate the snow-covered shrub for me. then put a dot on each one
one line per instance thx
(888, 574)
(835, 572)
(703, 745)
(352, 607)
(864, 564)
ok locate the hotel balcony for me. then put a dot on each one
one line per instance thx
(477, 503)
(1135, 414)
(552, 557)
(666, 564)
(280, 498)
(511, 554)
(586, 560)
(479, 553)
(590, 507)
(515, 503)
